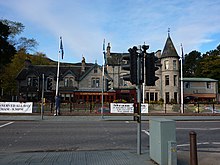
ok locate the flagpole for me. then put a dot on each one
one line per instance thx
(181, 82)
(143, 85)
(57, 83)
(103, 63)
(58, 73)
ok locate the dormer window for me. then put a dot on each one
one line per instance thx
(95, 83)
(68, 82)
(95, 70)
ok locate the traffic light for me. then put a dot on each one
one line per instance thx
(130, 65)
(108, 84)
(126, 66)
(49, 83)
(143, 65)
(150, 69)
(133, 71)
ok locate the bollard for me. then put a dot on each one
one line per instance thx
(193, 148)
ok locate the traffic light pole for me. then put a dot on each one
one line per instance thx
(138, 105)
(102, 116)
(42, 98)
(136, 60)
(139, 119)
(144, 78)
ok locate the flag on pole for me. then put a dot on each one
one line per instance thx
(103, 45)
(61, 47)
(181, 84)
(182, 54)
(104, 51)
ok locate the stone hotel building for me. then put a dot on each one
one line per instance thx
(84, 82)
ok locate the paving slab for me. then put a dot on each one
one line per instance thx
(108, 157)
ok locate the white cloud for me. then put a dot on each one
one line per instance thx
(84, 24)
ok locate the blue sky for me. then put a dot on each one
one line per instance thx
(84, 24)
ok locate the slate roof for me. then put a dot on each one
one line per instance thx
(169, 49)
(195, 79)
(47, 70)
(115, 59)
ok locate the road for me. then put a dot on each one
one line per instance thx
(208, 133)
(36, 136)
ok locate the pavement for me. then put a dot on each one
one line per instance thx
(106, 157)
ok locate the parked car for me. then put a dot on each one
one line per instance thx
(209, 109)
(217, 111)
(105, 110)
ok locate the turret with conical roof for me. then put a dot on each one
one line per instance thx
(169, 49)
(169, 72)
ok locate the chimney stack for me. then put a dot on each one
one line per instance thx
(83, 64)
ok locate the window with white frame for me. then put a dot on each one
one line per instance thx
(121, 81)
(95, 82)
(151, 96)
(166, 64)
(68, 81)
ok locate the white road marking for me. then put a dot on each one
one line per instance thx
(213, 129)
(201, 129)
(146, 132)
(183, 145)
(6, 124)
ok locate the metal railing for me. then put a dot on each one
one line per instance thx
(208, 108)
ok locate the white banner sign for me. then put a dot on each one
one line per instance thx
(16, 107)
(122, 108)
(126, 108)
